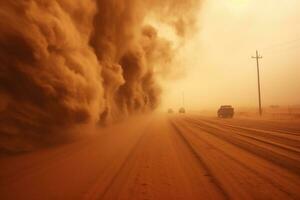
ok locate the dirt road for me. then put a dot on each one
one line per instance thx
(165, 157)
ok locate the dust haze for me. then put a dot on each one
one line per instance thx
(220, 69)
(149, 99)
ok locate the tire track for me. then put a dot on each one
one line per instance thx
(268, 129)
(264, 140)
(265, 153)
(200, 160)
(136, 180)
(96, 194)
(280, 135)
(283, 127)
(230, 159)
(236, 160)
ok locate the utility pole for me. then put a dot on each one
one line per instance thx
(183, 99)
(257, 57)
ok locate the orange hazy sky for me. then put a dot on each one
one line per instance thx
(219, 68)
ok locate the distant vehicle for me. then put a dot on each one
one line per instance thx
(226, 111)
(170, 111)
(181, 110)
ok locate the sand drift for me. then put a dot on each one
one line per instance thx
(174, 157)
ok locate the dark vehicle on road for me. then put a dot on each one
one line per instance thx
(226, 111)
(170, 111)
(181, 110)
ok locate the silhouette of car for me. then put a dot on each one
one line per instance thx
(181, 110)
(226, 111)
(170, 111)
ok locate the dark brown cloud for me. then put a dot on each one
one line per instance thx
(70, 62)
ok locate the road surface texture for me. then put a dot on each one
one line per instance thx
(167, 157)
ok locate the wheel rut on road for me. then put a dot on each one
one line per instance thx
(283, 156)
(236, 161)
(158, 158)
(291, 139)
(161, 166)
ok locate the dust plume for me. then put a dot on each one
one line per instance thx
(67, 62)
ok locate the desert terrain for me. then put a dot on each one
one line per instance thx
(164, 157)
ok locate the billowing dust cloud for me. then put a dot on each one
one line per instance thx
(70, 62)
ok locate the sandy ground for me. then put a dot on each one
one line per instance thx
(164, 157)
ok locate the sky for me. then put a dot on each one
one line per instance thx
(217, 58)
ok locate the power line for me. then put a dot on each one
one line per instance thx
(282, 44)
(283, 47)
(291, 44)
(284, 50)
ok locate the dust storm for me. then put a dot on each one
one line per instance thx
(69, 62)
